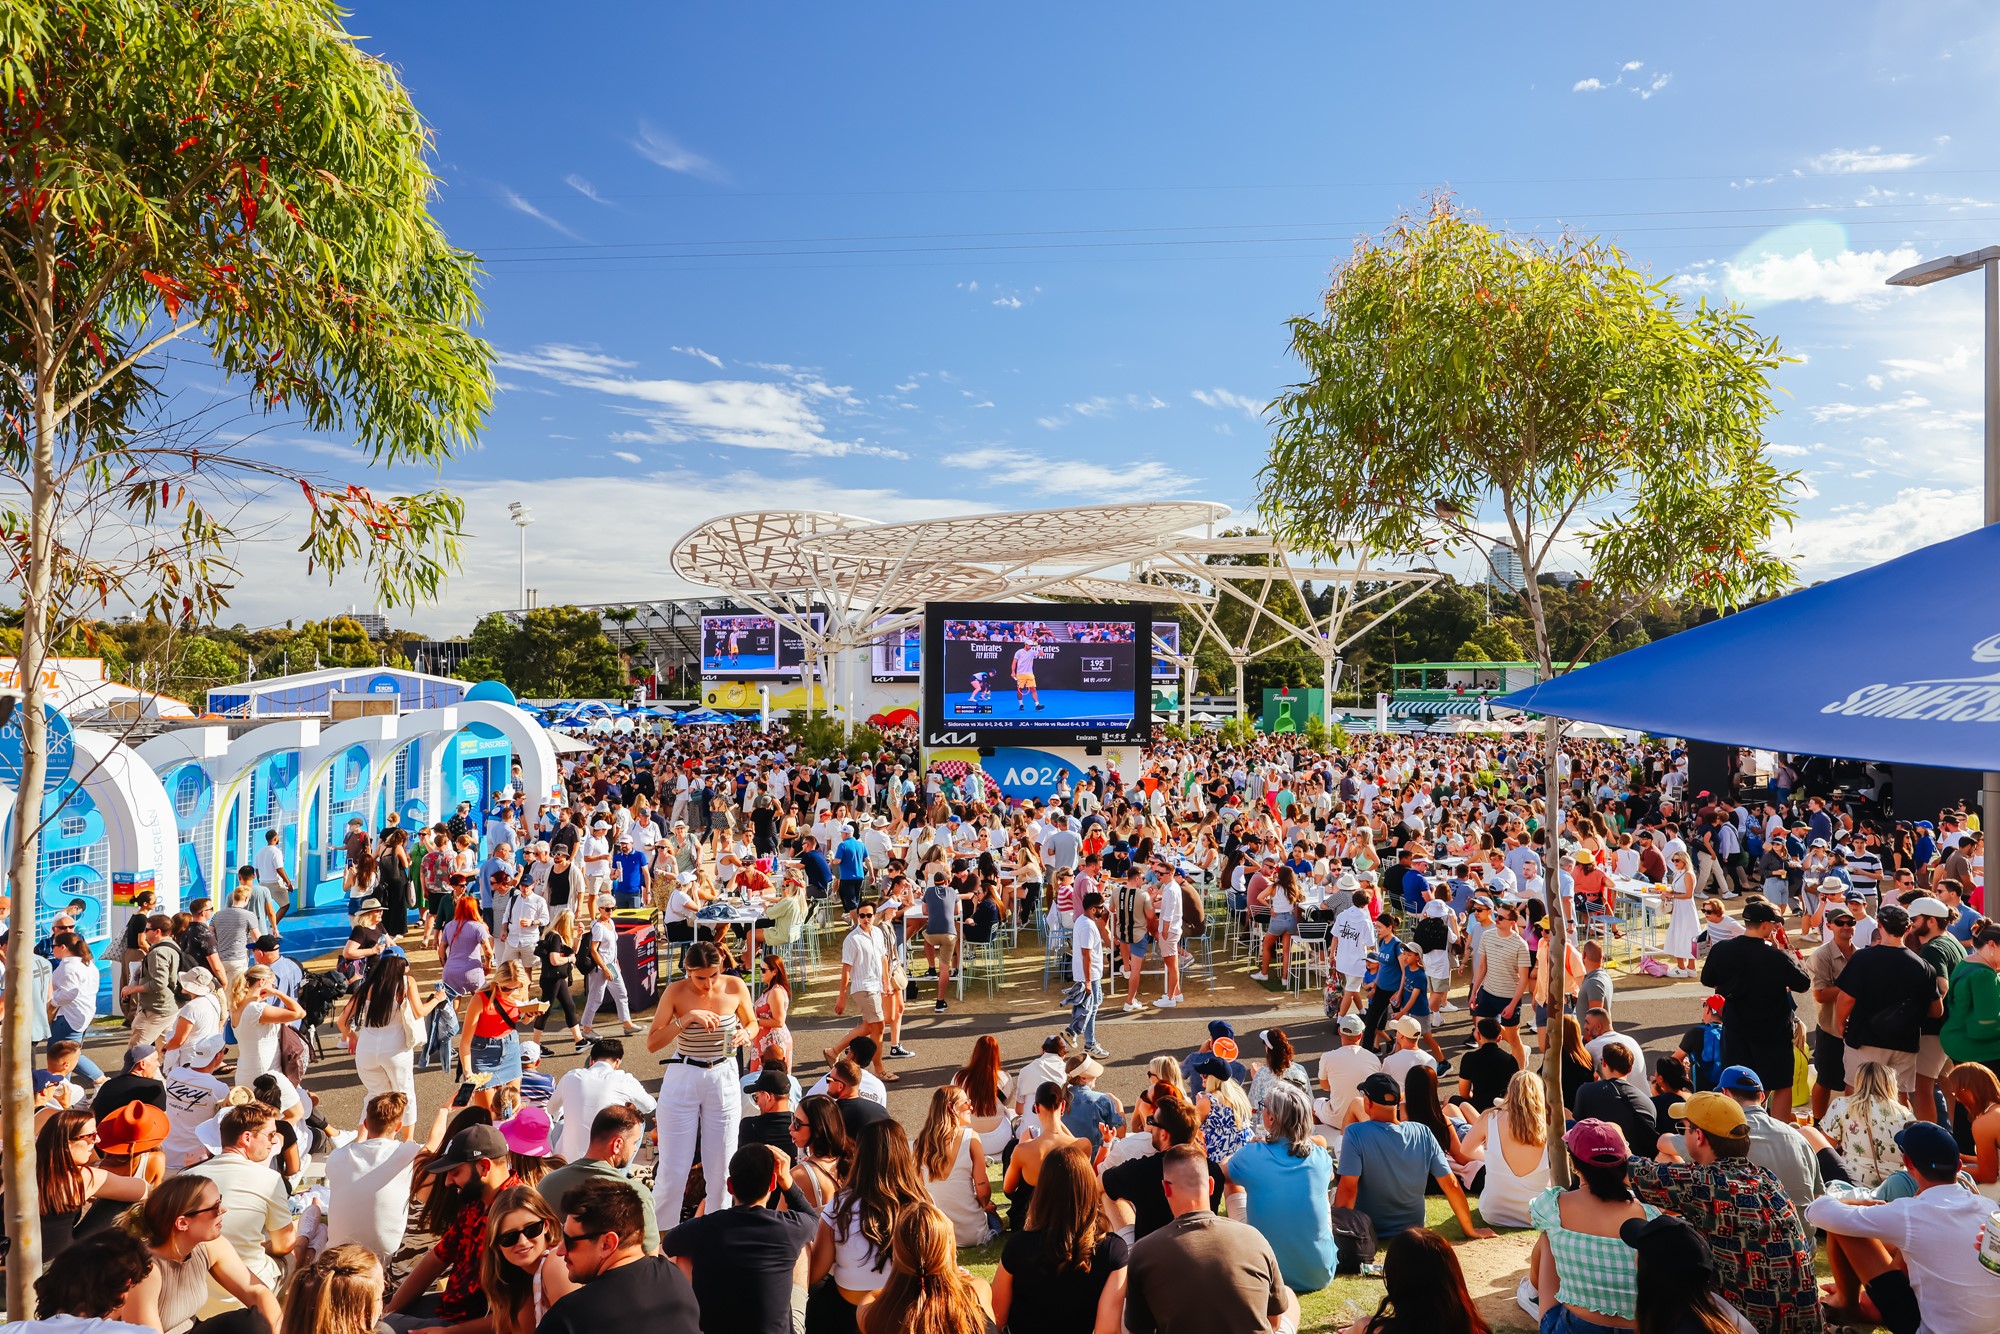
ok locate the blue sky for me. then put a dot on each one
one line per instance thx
(903, 260)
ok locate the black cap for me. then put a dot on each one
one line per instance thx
(1756, 914)
(1893, 918)
(774, 1082)
(268, 944)
(1381, 1088)
(469, 1146)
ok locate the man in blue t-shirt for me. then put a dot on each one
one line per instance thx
(819, 875)
(1388, 964)
(850, 865)
(628, 875)
(1386, 1164)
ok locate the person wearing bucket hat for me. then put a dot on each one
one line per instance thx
(527, 1132)
(200, 1016)
(1763, 1253)
(1919, 1259)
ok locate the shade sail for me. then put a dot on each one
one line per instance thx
(1896, 662)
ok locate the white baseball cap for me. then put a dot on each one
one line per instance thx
(1437, 908)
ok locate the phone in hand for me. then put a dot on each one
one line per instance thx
(463, 1098)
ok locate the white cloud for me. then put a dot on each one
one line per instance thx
(662, 150)
(1905, 368)
(1588, 86)
(1047, 476)
(1224, 399)
(1657, 83)
(627, 455)
(1010, 302)
(1862, 535)
(737, 414)
(1842, 161)
(1787, 451)
(1642, 88)
(1827, 412)
(1631, 65)
(907, 387)
(1851, 277)
(520, 205)
(708, 357)
(584, 188)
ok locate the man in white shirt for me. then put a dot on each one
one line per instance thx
(270, 862)
(1597, 1035)
(1048, 1068)
(256, 1213)
(519, 917)
(1342, 1070)
(594, 855)
(1353, 929)
(1060, 848)
(582, 1093)
(1087, 944)
(368, 1180)
(862, 1052)
(1918, 1258)
(1398, 1063)
(1166, 927)
(194, 1095)
(862, 970)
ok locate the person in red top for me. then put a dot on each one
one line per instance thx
(476, 1165)
(1652, 864)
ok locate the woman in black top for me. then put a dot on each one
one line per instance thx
(1064, 1274)
(392, 873)
(1575, 1056)
(67, 1178)
(557, 951)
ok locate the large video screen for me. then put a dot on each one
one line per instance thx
(1166, 634)
(1004, 673)
(746, 644)
(897, 655)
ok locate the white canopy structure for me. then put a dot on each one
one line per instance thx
(838, 581)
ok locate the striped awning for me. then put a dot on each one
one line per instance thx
(1435, 708)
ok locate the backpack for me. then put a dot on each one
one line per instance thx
(1431, 934)
(1708, 1061)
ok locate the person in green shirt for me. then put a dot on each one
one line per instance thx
(1972, 1005)
(1929, 919)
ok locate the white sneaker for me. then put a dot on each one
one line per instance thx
(1260, 977)
(1731, 894)
(1131, 1005)
(1447, 1008)
(1167, 1002)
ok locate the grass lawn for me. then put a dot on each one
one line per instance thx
(1334, 1306)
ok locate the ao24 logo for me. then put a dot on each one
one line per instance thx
(1032, 776)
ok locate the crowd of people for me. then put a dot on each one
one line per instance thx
(1835, 1096)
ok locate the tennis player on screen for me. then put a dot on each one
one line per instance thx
(734, 636)
(1024, 674)
(982, 687)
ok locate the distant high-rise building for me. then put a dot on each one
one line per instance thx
(373, 622)
(1505, 571)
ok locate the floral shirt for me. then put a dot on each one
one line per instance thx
(1866, 1140)
(1220, 1134)
(1763, 1255)
(461, 1248)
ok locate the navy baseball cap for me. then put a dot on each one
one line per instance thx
(1931, 1147)
(1221, 1028)
(1739, 1079)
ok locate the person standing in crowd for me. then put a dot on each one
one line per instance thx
(1942, 951)
(606, 970)
(1972, 1018)
(1755, 978)
(1087, 949)
(1886, 991)
(154, 993)
(73, 987)
(584, 1092)
(1500, 978)
(705, 1016)
(1823, 968)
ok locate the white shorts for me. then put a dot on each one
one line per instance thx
(1352, 982)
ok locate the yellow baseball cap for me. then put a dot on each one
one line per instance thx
(1713, 1114)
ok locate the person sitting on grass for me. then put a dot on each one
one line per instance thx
(1386, 1164)
(1423, 1290)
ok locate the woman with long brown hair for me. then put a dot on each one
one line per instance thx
(953, 1164)
(181, 1224)
(557, 952)
(927, 1292)
(67, 1177)
(852, 1247)
(990, 1088)
(820, 1147)
(522, 1269)
(1064, 1274)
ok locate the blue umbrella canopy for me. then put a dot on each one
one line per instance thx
(698, 717)
(1895, 662)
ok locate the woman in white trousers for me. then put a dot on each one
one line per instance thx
(602, 946)
(705, 1016)
(383, 1025)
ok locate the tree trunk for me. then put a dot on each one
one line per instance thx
(17, 1117)
(1556, 982)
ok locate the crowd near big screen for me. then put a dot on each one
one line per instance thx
(1009, 673)
(746, 644)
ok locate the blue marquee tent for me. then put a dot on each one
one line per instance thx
(1898, 662)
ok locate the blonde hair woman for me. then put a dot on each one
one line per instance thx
(1684, 924)
(927, 1291)
(258, 1009)
(490, 1043)
(1513, 1142)
(1862, 1125)
(1166, 1070)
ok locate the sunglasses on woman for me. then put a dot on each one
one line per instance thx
(529, 1231)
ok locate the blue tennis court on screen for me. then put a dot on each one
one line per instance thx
(1057, 707)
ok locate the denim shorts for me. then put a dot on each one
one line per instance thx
(1283, 924)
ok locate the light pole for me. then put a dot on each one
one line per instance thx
(1923, 275)
(522, 517)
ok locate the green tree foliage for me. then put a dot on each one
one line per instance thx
(552, 652)
(821, 736)
(1465, 387)
(199, 663)
(239, 180)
